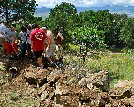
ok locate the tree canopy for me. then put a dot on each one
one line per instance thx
(97, 29)
(63, 17)
(14, 10)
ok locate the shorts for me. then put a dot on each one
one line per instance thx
(38, 54)
(51, 51)
(9, 48)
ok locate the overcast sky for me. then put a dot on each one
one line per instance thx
(78, 3)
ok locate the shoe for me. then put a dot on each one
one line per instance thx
(53, 65)
(14, 74)
(40, 67)
(7, 60)
(4, 56)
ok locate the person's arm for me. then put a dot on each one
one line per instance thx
(4, 32)
(56, 51)
(31, 38)
(48, 39)
(19, 36)
(13, 39)
(31, 44)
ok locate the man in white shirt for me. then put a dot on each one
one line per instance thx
(23, 38)
(10, 45)
(3, 29)
(2, 37)
(28, 41)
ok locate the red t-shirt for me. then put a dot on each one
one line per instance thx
(38, 36)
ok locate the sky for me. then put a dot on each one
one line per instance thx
(84, 3)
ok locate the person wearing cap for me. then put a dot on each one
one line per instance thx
(37, 37)
(51, 47)
(10, 45)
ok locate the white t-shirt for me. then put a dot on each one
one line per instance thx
(25, 36)
(2, 29)
(22, 36)
(9, 35)
(28, 36)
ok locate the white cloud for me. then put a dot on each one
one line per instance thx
(52, 3)
(124, 2)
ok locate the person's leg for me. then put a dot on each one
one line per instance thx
(15, 48)
(23, 49)
(2, 41)
(8, 48)
(38, 55)
(53, 49)
(15, 51)
(29, 51)
(48, 54)
(39, 61)
(45, 47)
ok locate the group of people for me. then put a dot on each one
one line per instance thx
(32, 41)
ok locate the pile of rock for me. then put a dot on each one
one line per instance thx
(56, 89)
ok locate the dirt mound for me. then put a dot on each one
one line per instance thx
(55, 88)
(91, 91)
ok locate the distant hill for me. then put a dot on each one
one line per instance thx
(43, 12)
(129, 10)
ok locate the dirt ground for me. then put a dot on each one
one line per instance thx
(32, 87)
(14, 91)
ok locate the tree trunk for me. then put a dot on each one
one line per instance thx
(6, 13)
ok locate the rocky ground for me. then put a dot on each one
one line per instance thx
(57, 88)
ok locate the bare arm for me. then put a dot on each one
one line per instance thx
(13, 40)
(49, 39)
(31, 44)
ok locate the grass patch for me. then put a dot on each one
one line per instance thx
(120, 65)
(72, 48)
(14, 99)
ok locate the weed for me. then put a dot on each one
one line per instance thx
(120, 65)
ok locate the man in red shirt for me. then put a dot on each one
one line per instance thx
(37, 38)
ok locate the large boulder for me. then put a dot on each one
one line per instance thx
(36, 77)
(99, 80)
(123, 89)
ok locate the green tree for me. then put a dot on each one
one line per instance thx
(90, 36)
(15, 10)
(117, 23)
(63, 16)
(87, 18)
(127, 33)
(104, 22)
